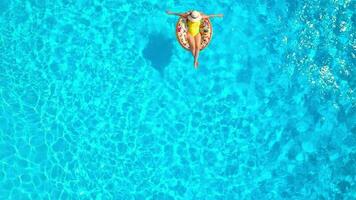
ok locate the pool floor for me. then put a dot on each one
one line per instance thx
(99, 101)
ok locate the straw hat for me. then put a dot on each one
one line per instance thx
(194, 16)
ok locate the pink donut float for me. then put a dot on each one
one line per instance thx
(206, 31)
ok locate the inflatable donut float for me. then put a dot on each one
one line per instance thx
(206, 31)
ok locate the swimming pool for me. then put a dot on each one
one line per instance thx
(99, 101)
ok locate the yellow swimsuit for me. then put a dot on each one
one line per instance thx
(193, 27)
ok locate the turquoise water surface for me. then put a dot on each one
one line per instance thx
(99, 101)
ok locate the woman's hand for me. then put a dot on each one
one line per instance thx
(215, 15)
(173, 13)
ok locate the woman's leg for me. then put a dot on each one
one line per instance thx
(197, 49)
(191, 42)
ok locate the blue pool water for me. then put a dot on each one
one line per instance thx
(99, 101)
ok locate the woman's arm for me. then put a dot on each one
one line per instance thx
(178, 14)
(214, 15)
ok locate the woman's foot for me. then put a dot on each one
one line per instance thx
(196, 64)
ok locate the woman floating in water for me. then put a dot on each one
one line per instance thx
(194, 38)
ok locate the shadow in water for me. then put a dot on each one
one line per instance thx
(158, 51)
